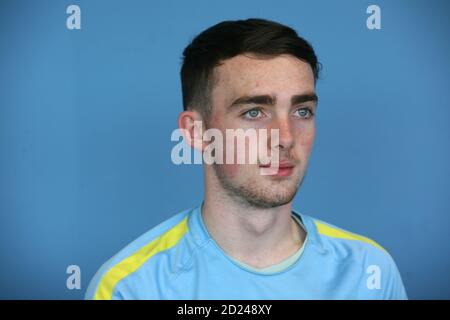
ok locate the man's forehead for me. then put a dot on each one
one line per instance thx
(247, 74)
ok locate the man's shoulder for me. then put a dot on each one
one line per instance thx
(360, 255)
(160, 239)
(344, 243)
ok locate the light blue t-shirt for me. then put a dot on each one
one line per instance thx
(178, 259)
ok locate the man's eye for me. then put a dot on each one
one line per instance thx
(252, 114)
(305, 113)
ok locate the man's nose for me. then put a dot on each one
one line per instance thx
(285, 132)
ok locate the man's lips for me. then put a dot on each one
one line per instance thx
(281, 169)
(281, 165)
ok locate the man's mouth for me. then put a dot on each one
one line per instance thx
(281, 169)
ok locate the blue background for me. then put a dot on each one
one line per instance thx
(86, 117)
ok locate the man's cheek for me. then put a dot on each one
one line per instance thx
(306, 144)
(230, 171)
(235, 152)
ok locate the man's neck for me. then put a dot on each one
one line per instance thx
(259, 237)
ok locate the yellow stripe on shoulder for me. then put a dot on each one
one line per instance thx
(130, 264)
(333, 232)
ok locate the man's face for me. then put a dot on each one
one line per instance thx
(280, 78)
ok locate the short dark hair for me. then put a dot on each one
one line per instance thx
(228, 39)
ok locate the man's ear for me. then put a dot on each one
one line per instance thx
(191, 124)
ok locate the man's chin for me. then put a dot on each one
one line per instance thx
(269, 202)
(261, 191)
(271, 195)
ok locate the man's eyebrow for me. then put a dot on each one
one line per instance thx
(270, 100)
(304, 98)
(262, 99)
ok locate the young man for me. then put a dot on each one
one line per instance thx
(244, 240)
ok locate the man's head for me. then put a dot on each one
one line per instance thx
(253, 74)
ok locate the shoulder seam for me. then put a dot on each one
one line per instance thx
(191, 258)
(133, 262)
(334, 232)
